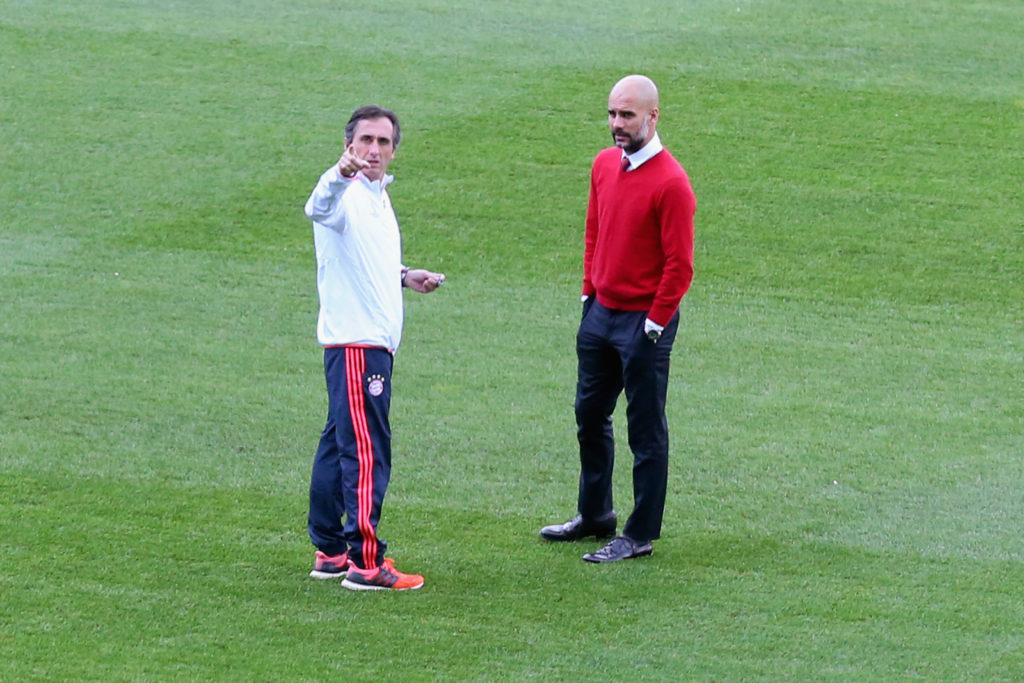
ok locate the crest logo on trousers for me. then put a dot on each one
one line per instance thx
(375, 385)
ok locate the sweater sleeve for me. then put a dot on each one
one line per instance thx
(325, 206)
(676, 208)
(590, 239)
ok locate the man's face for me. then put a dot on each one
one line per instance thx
(374, 141)
(631, 125)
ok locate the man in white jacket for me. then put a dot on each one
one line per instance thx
(360, 277)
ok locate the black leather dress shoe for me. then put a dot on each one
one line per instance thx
(619, 548)
(576, 528)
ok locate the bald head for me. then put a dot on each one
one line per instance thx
(639, 89)
(633, 112)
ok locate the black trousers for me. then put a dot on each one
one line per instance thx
(615, 354)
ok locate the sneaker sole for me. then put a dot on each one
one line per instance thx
(597, 537)
(352, 585)
(316, 574)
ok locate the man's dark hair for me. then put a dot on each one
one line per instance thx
(371, 111)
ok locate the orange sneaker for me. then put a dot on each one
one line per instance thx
(329, 566)
(383, 578)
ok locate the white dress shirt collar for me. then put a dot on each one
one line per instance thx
(644, 154)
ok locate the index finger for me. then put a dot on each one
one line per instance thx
(354, 155)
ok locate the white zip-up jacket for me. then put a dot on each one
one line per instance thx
(359, 261)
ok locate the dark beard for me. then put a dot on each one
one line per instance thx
(634, 144)
(635, 141)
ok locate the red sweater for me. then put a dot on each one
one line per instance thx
(638, 251)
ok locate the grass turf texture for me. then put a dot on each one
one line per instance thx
(846, 403)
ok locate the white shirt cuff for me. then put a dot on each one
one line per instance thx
(651, 325)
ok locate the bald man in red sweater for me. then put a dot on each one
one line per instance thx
(637, 265)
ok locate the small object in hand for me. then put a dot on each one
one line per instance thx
(440, 281)
(654, 335)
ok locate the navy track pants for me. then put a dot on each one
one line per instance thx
(352, 465)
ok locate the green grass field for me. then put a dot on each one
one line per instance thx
(846, 407)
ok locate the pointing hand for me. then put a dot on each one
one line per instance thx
(351, 163)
